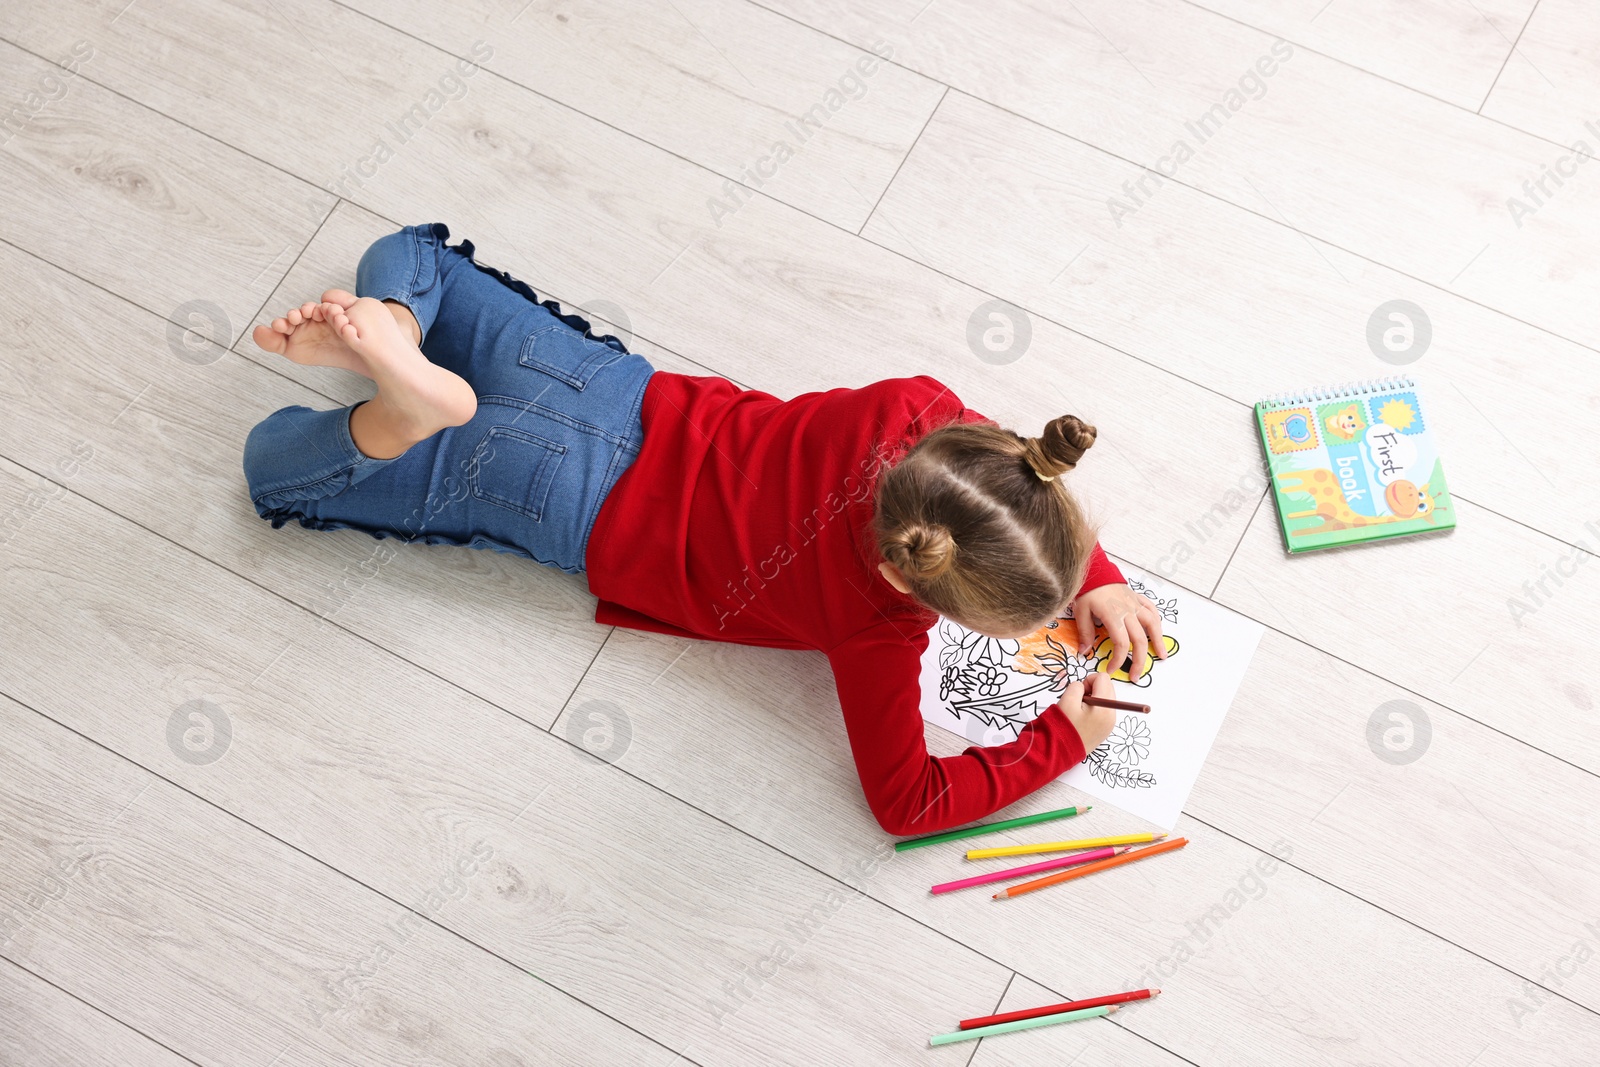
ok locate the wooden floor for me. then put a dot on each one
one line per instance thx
(283, 797)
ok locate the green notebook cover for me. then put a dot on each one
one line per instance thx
(1352, 463)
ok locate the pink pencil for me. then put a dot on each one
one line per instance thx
(1032, 868)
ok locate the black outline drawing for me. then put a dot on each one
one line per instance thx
(974, 671)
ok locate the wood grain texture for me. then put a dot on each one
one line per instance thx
(1240, 304)
(1095, 1041)
(682, 869)
(135, 202)
(1551, 87)
(159, 439)
(1476, 837)
(614, 893)
(772, 298)
(229, 947)
(1449, 50)
(721, 82)
(1448, 618)
(777, 730)
(44, 1026)
(1413, 183)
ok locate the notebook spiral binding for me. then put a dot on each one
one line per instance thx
(1337, 392)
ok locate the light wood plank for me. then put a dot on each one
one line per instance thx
(1479, 839)
(1445, 49)
(1310, 965)
(773, 298)
(1550, 87)
(1413, 183)
(232, 948)
(43, 1026)
(714, 81)
(609, 890)
(1259, 308)
(1098, 1042)
(776, 731)
(158, 439)
(1448, 618)
(181, 225)
(720, 82)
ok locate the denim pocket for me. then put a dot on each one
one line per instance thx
(514, 469)
(562, 352)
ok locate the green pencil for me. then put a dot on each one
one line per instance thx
(989, 828)
(1021, 1024)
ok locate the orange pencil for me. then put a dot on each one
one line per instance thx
(1090, 868)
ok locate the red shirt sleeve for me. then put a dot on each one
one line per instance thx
(909, 791)
(1101, 571)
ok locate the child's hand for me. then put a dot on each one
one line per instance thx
(1131, 621)
(1094, 725)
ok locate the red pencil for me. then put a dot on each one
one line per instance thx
(1052, 1009)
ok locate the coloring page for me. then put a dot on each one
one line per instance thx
(986, 689)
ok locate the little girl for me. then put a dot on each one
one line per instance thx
(841, 520)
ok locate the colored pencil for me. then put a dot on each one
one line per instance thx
(989, 828)
(1032, 868)
(1079, 872)
(1052, 1009)
(1021, 1024)
(1115, 705)
(1061, 846)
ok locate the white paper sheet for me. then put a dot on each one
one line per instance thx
(986, 689)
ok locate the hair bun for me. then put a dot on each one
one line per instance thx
(1060, 447)
(921, 551)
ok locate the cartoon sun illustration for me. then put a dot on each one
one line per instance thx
(1397, 413)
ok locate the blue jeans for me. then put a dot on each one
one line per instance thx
(557, 421)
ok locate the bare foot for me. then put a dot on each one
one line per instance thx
(416, 398)
(305, 336)
(402, 314)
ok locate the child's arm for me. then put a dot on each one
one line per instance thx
(910, 792)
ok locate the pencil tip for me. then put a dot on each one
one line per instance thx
(1155, 992)
(1113, 1008)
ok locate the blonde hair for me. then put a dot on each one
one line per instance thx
(982, 529)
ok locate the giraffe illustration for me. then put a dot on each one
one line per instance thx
(1407, 499)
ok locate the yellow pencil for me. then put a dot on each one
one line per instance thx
(1061, 846)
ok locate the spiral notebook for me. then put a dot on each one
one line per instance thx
(1353, 462)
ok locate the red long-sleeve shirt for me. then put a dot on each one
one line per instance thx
(745, 519)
